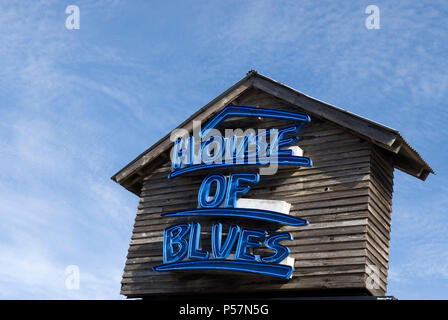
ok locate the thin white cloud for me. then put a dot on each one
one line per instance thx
(53, 211)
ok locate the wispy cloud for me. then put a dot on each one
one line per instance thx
(76, 106)
(58, 205)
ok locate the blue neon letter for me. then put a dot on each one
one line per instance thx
(222, 251)
(193, 249)
(175, 235)
(234, 190)
(204, 191)
(246, 241)
(280, 251)
(182, 153)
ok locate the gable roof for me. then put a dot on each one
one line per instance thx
(405, 157)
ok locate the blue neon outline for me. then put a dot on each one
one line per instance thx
(193, 244)
(220, 250)
(204, 191)
(234, 110)
(285, 157)
(183, 229)
(179, 145)
(268, 269)
(249, 238)
(257, 214)
(273, 242)
(281, 160)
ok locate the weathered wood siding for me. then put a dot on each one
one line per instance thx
(346, 197)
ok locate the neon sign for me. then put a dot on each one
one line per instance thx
(191, 155)
(181, 242)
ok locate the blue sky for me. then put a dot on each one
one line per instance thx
(78, 105)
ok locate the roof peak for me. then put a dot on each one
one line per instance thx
(407, 159)
(251, 73)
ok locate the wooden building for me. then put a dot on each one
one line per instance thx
(346, 195)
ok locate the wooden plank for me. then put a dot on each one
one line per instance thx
(148, 237)
(299, 256)
(138, 277)
(309, 181)
(163, 185)
(190, 200)
(277, 191)
(355, 280)
(161, 224)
